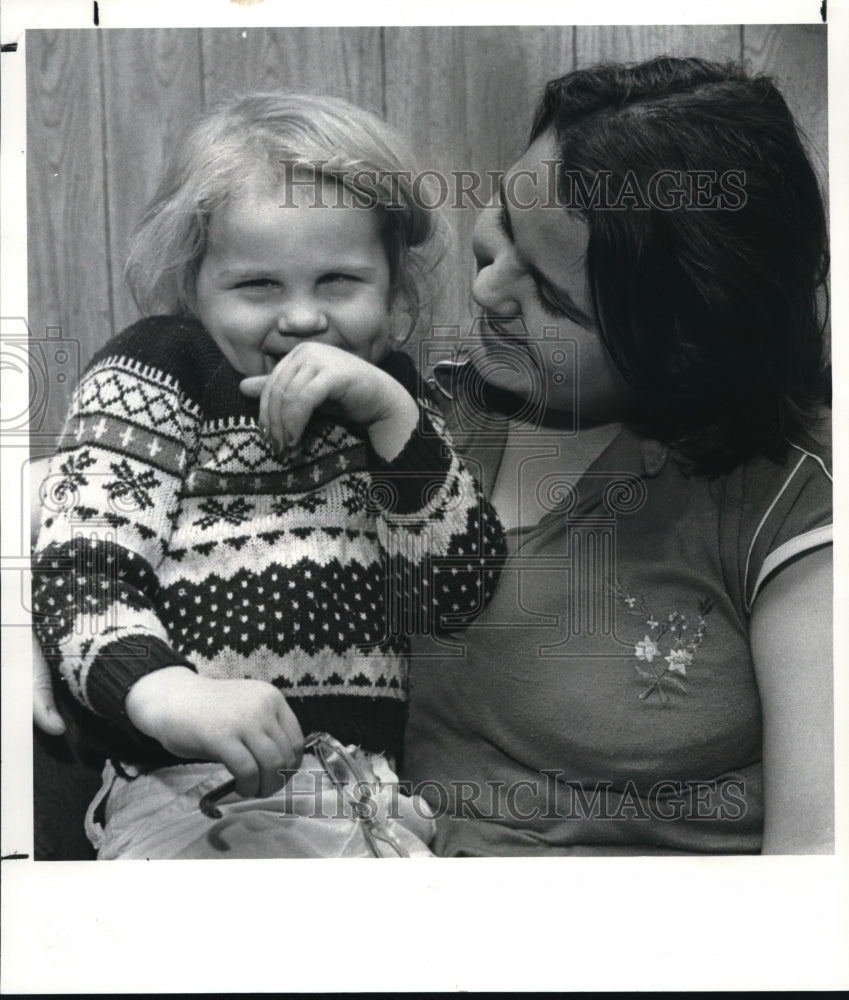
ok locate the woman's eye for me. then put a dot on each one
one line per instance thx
(550, 307)
(559, 309)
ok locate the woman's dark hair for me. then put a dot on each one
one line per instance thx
(707, 247)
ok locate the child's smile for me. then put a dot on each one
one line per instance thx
(274, 276)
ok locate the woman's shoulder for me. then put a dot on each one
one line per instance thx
(784, 508)
(805, 464)
(816, 442)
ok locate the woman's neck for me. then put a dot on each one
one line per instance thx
(532, 454)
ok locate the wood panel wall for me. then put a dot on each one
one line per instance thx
(103, 105)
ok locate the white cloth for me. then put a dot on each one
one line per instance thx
(157, 816)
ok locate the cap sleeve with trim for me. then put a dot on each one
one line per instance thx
(774, 513)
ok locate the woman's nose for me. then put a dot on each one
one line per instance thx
(301, 316)
(494, 285)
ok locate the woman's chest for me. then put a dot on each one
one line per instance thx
(611, 651)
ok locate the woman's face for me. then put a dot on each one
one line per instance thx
(536, 337)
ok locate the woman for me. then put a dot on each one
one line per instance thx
(643, 396)
(654, 674)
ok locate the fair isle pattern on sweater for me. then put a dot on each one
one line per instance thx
(177, 536)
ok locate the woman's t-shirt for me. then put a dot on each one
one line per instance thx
(605, 701)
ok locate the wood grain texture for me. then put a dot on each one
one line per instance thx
(634, 43)
(465, 96)
(343, 62)
(68, 282)
(795, 56)
(152, 89)
(427, 100)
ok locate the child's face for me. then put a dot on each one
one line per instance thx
(274, 276)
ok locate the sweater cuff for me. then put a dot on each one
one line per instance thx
(118, 666)
(411, 480)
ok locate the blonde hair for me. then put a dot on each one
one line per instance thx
(264, 135)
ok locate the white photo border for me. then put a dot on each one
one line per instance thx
(519, 924)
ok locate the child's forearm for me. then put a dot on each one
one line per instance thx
(150, 694)
(110, 497)
(444, 541)
(390, 433)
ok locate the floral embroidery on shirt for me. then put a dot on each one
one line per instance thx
(667, 650)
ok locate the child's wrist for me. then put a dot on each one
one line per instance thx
(391, 431)
(412, 478)
(150, 693)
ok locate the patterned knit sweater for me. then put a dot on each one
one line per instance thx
(172, 534)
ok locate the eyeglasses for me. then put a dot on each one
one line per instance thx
(351, 784)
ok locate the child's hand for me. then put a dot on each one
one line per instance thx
(44, 712)
(244, 724)
(316, 376)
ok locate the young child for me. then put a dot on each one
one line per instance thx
(255, 494)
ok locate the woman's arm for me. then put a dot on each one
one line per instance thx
(791, 637)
